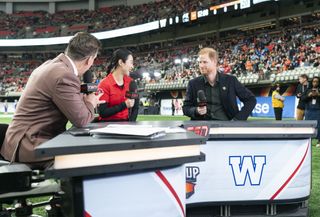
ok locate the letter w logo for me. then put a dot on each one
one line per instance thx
(247, 166)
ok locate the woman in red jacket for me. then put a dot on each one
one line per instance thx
(114, 87)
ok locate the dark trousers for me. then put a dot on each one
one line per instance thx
(314, 114)
(278, 113)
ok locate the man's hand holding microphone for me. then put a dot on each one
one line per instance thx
(202, 103)
(93, 99)
(91, 93)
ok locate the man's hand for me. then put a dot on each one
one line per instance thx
(93, 99)
(315, 92)
(129, 103)
(202, 110)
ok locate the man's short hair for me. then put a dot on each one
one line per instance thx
(212, 53)
(304, 76)
(82, 45)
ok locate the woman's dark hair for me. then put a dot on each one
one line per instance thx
(120, 54)
(275, 85)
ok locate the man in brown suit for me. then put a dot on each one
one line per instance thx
(51, 98)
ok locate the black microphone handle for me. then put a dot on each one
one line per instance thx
(87, 77)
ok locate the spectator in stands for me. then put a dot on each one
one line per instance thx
(51, 98)
(312, 108)
(221, 93)
(301, 89)
(115, 86)
(277, 103)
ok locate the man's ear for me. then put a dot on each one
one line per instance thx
(89, 60)
(86, 61)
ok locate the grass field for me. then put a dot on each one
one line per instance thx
(314, 202)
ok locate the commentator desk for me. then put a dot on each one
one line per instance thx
(122, 177)
(254, 168)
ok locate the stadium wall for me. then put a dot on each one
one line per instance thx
(78, 5)
(40, 6)
(2, 6)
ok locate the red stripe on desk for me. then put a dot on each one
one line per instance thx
(86, 214)
(291, 176)
(171, 189)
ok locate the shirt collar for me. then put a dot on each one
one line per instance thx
(217, 78)
(75, 70)
(126, 79)
(112, 81)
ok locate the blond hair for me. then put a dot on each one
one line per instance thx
(212, 53)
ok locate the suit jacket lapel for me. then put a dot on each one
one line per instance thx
(224, 94)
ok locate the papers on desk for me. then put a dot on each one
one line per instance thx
(130, 155)
(134, 131)
(125, 131)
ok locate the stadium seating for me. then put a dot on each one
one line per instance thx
(26, 24)
(270, 56)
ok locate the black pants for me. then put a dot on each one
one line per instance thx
(278, 113)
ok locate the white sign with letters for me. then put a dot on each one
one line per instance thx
(250, 170)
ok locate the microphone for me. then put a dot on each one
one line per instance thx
(87, 77)
(132, 93)
(88, 87)
(201, 99)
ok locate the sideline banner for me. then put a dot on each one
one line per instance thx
(250, 170)
(8, 107)
(264, 107)
(169, 106)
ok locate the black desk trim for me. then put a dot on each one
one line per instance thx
(246, 202)
(118, 145)
(258, 136)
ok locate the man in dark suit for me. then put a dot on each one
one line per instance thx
(52, 98)
(221, 93)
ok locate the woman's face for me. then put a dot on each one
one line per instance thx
(127, 66)
(315, 82)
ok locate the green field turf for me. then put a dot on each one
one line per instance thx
(314, 202)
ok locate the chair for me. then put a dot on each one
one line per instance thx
(16, 198)
(3, 130)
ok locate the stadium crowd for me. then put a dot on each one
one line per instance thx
(263, 53)
(43, 24)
